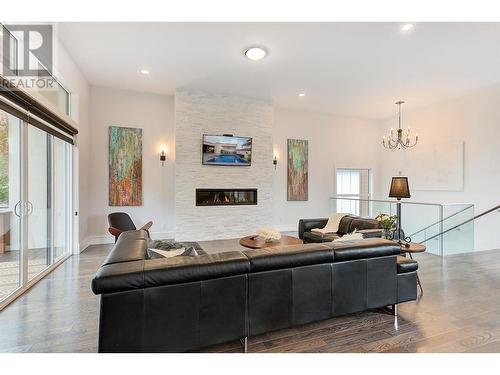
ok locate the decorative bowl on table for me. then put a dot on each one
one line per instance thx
(268, 234)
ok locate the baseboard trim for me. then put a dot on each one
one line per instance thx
(108, 239)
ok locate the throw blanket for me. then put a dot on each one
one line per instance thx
(332, 226)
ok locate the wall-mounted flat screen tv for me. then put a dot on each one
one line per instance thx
(227, 150)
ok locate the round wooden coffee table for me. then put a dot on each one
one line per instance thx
(255, 242)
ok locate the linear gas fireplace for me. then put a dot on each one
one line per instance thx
(226, 197)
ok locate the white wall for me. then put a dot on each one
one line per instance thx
(155, 115)
(474, 119)
(334, 142)
(203, 113)
(331, 139)
(71, 77)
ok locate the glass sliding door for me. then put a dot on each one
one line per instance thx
(10, 204)
(39, 201)
(35, 204)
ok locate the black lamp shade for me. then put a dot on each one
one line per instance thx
(399, 188)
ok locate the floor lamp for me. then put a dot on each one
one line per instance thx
(399, 189)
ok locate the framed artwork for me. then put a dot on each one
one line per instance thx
(125, 166)
(297, 170)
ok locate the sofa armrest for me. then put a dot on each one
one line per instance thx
(305, 225)
(370, 233)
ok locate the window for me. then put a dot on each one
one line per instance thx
(35, 192)
(10, 195)
(35, 221)
(353, 190)
(13, 53)
(57, 95)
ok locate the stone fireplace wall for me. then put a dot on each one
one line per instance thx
(198, 113)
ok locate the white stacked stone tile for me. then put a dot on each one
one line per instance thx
(199, 113)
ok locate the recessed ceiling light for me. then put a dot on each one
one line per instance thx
(255, 53)
(407, 27)
(302, 94)
(144, 71)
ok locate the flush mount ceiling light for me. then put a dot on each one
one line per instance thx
(144, 71)
(302, 94)
(407, 27)
(255, 53)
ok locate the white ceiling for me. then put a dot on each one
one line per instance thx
(355, 69)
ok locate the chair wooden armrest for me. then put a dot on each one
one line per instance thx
(115, 231)
(147, 225)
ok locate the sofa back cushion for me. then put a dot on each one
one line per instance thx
(363, 249)
(360, 223)
(279, 257)
(123, 276)
(177, 270)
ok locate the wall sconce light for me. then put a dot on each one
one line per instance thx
(275, 161)
(163, 156)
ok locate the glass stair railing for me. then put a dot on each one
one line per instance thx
(436, 225)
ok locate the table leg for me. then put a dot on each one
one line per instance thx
(418, 278)
(420, 285)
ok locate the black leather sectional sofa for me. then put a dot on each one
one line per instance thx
(370, 228)
(185, 303)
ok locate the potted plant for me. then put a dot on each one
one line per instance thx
(388, 223)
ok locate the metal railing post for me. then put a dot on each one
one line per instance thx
(441, 227)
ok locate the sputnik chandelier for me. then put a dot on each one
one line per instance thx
(398, 141)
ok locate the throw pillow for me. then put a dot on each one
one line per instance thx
(159, 253)
(190, 252)
(182, 252)
(354, 236)
(165, 245)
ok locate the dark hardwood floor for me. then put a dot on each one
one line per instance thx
(459, 312)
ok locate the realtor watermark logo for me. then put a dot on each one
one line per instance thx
(27, 55)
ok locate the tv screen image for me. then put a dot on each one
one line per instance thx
(227, 150)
